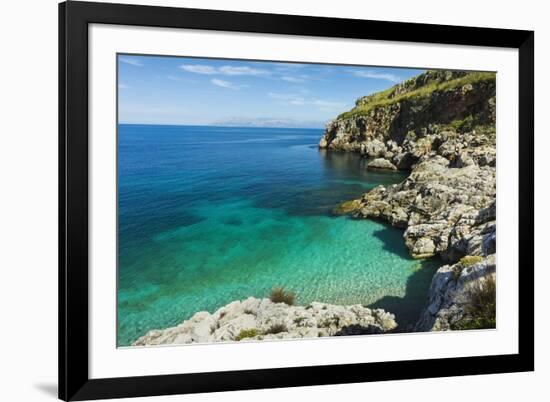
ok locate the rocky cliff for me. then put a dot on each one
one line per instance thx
(439, 125)
(415, 118)
(258, 319)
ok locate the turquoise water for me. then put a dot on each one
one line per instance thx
(208, 215)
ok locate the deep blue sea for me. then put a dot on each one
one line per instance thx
(208, 215)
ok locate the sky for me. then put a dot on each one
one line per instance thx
(199, 91)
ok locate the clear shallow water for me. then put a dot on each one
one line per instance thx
(208, 215)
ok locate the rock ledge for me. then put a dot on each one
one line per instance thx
(258, 319)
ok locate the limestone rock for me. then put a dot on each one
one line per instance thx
(444, 209)
(455, 121)
(448, 294)
(440, 125)
(381, 163)
(257, 319)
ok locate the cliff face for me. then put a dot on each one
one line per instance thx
(441, 127)
(411, 119)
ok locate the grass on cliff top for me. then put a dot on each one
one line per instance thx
(382, 98)
(481, 307)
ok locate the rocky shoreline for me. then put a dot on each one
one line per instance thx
(440, 126)
(258, 319)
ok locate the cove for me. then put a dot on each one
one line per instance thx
(208, 215)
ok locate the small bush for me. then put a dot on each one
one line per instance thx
(463, 125)
(277, 329)
(326, 323)
(280, 295)
(480, 312)
(474, 323)
(247, 333)
(470, 260)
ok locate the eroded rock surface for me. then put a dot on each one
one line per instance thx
(440, 126)
(445, 210)
(449, 294)
(257, 319)
(381, 163)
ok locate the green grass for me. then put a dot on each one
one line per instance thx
(247, 333)
(280, 295)
(382, 98)
(475, 323)
(480, 311)
(466, 261)
(469, 260)
(463, 125)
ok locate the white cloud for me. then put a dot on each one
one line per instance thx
(268, 122)
(223, 70)
(131, 61)
(298, 100)
(376, 76)
(289, 78)
(225, 84)
(123, 86)
(199, 69)
(328, 104)
(242, 70)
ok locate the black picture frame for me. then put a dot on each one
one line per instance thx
(74, 18)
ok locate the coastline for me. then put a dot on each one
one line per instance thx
(446, 206)
(263, 319)
(439, 126)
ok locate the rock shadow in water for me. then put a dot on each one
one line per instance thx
(407, 309)
(392, 240)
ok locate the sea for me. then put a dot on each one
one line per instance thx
(208, 215)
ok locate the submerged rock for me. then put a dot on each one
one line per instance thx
(257, 319)
(381, 163)
(347, 207)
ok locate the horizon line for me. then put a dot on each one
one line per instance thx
(213, 125)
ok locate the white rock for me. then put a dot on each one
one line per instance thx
(269, 321)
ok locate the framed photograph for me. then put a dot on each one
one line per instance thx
(257, 200)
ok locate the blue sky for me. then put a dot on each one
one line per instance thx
(184, 90)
